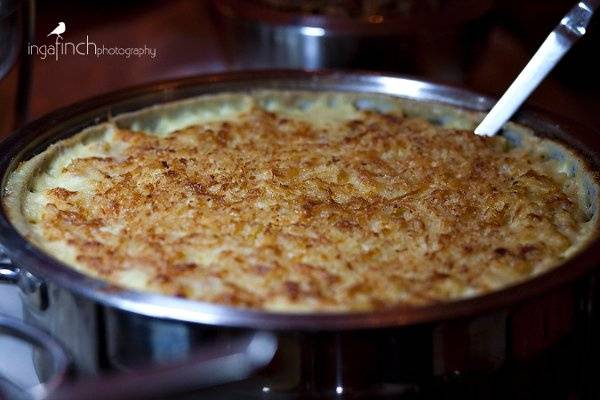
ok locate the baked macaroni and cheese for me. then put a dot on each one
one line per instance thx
(305, 201)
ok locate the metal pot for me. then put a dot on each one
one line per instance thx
(529, 340)
(433, 38)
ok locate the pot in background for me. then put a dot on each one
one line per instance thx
(430, 38)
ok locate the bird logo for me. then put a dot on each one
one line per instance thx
(60, 29)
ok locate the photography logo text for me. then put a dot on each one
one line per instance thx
(85, 47)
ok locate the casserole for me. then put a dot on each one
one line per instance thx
(405, 349)
(301, 201)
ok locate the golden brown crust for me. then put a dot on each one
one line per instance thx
(271, 211)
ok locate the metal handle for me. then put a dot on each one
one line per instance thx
(8, 272)
(34, 288)
(59, 359)
(226, 362)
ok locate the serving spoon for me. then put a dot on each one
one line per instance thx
(570, 29)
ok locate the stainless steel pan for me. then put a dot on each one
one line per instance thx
(536, 334)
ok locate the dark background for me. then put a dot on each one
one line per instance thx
(189, 41)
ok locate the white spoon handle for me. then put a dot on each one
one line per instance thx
(572, 27)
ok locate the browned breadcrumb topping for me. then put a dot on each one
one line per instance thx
(273, 213)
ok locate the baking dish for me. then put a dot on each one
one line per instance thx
(525, 333)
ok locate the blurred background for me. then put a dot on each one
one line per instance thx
(479, 44)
